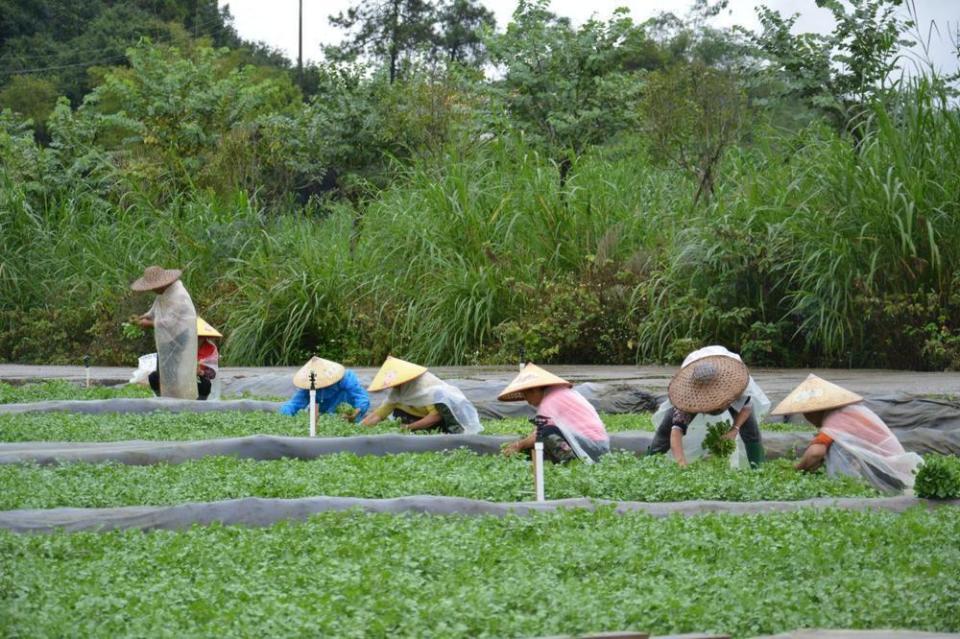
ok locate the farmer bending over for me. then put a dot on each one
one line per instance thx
(711, 382)
(567, 425)
(852, 439)
(421, 401)
(334, 386)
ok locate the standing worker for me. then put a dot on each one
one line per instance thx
(566, 423)
(421, 401)
(851, 439)
(711, 382)
(174, 321)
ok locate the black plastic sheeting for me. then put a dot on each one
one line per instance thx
(254, 511)
(267, 447)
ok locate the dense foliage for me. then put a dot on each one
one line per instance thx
(939, 477)
(357, 575)
(615, 192)
(619, 476)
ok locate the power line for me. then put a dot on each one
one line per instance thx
(64, 66)
(202, 24)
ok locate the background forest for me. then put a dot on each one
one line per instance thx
(613, 192)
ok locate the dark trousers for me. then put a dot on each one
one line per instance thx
(203, 385)
(448, 424)
(749, 433)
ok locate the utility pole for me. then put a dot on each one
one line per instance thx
(300, 50)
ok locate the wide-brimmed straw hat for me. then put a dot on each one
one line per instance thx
(327, 373)
(815, 394)
(709, 384)
(206, 330)
(155, 277)
(394, 372)
(532, 376)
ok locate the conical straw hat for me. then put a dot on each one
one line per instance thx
(708, 384)
(532, 376)
(327, 373)
(815, 394)
(205, 330)
(155, 277)
(394, 372)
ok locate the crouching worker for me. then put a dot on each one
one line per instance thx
(852, 439)
(421, 401)
(334, 386)
(566, 423)
(713, 385)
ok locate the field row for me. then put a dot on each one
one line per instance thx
(356, 575)
(620, 476)
(159, 426)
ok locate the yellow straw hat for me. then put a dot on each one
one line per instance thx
(709, 384)
(532, 376)
(327, 373)
(155, 277)
(205, 330)
(815, 394)
(394, 372)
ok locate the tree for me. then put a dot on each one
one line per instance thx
(387, 30)
(567, 89)
(460, 37)
(840, 73)
(693, 113)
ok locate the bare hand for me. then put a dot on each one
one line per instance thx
(510, 449)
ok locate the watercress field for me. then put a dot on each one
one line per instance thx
(356, 575)
(352, 574)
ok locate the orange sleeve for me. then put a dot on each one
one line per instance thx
(822, 438)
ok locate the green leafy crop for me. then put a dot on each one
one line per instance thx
(938, 478)
(619, 476)
(716, 443)
(190, 426)
(359, 575)
(61, 389)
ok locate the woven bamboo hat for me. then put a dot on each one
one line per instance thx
(394, 372)
(155, 277)
(205, 330)
(815, 394)
(708, 384)
(327, 373)
(532, 376)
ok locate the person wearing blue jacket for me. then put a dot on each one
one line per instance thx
(334, 385)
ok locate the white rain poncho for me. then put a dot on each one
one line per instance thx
(427, 390)
(697, 429)
(175, 330)
(578, 420)
(864, 447)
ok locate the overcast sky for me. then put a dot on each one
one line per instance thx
(275, 21)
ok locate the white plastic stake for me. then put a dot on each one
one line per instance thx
(313, 413)
(538, 469)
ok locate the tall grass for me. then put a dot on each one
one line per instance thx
(802, 230)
